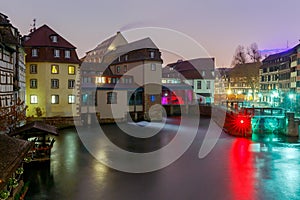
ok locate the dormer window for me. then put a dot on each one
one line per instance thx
(53, 38)
(34, 52)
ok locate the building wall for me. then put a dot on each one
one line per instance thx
(112, 111)
(6, 77)
(44, 90)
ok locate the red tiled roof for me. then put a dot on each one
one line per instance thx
(41, 38)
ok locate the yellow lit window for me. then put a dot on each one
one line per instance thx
(54, 69)
(100, 79)
(33, 99)
(71, 70)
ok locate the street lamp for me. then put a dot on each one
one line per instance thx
(291, 97)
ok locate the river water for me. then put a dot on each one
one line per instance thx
(264, 167)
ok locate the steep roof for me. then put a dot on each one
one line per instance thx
(4, 20)
(41, 38)
(8, 33)
(105, 46)
(12, 153)
(192, 69)
(145, 43)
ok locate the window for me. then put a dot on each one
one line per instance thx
(71, 99)
(54, 99)
(33, 69)
(203, 73)
(54, 69)
(67, 53)
(199, 85)
(125, 68)
(111, 98)
(53, 38)
(71, 69)
(34, 52)
(56, 53)
(71, 84)
(152, 98)
(33, 83)
(208, 85)
(118, 69)
(153, 66)
(126, 57)
(54, 83)
(33, 99)
(152, 54)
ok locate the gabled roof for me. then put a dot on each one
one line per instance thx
(106, 46)
(12, 153)
(192, 69)
(4, 20)
(41, 38)
(145, 43)
(36, 127)
(7, 36)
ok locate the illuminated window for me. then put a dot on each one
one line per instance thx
(34, 52)
(111, 98)
(67, 53)
(54, 69)
(153, 66)
(152, 98)
(33, 83)
(71, 99)
(54, 99)
(71, 84)
(33, 99)
(56, 53)
(71, 69)
(126, 57)
(54, 83)
(33, 69)
(100, 79)
(118, 69)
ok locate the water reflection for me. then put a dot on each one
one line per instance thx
(242, 171)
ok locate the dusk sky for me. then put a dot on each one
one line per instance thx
(218, 25)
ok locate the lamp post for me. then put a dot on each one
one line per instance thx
(291, 98)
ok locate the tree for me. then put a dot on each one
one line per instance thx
(240, 56)
(253, 53)
(12, 117)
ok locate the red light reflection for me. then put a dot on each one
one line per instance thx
(241, 168)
